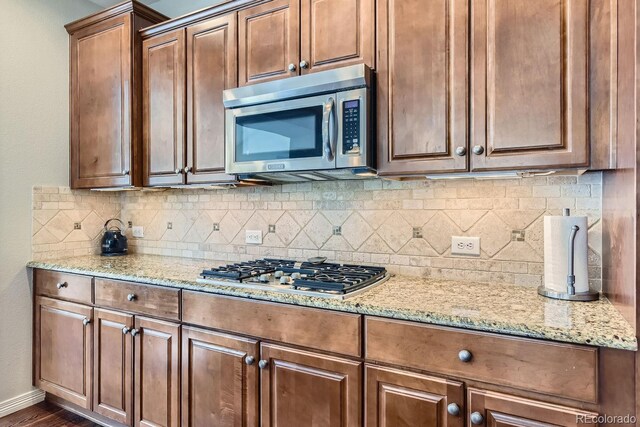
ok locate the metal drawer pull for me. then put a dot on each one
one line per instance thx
(135, 332)
(249, 360)
(477, 418)
(453, 409)
(131, 297)
(465, 356)
(126, 330)
(86, 321)
(263, 364)
(61, 285)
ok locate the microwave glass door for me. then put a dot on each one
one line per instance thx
(283, 136)
(280, 135)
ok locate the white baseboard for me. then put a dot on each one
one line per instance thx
(22, 401)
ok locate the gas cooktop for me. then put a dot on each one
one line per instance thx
(314, 277)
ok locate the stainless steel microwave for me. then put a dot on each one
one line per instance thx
(305, 128)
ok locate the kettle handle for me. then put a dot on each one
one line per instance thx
(113, 219)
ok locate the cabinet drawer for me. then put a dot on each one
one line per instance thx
(137, 298)
(66, 286)
(307, 327)
(557, 369)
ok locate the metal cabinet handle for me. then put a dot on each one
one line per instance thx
(461, 151)
(86, 321)
(131, 297)
(249, 360)
(179, 171)
(135, 332)
(125, 172)
(292, 67)
(304, 64)
(476, 418)
(478, 149)
(453, 409)
(61, 285)
(187, 169)
(465, 356)
(126, 330)
(263, 364)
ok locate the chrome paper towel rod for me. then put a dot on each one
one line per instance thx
(561, 283)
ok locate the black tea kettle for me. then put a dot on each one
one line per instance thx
(114, 243)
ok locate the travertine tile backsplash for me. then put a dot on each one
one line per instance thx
(377, 220)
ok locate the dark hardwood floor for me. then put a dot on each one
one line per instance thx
(44, 414)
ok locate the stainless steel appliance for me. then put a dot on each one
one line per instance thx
(308, 128)
(313, 278)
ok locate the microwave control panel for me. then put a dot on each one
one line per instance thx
(351, 127)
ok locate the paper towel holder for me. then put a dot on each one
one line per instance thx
(570, 294)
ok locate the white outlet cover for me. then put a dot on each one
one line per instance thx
(462, 245)
(137, 231)
(253, 237)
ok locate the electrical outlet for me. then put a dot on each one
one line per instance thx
(253, 237)
(465, 245)
(137, 231)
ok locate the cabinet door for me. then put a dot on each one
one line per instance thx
(63, 339)
(300, 388)
(157, 383)
(269, 41)
(101, 90)
(529, 84)
(501, 410)
(113, 365)
(336, 33)
(211, 68)
(399, 398)
(163, 94)
(422, 86)
(219, 379)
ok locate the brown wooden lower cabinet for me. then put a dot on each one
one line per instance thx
(62, 349)
(487, 408)
(406, 399)
(219, 379)
(157, 375)
(113, 365)
(301, 388)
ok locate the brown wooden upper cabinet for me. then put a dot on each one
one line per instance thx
(422, 86)
(526, 67)
(185, 72)
(105, 133)
(285, 38)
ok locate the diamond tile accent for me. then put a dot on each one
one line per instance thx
(465, 219)
(438, 231)
(356, 230)
(519, 251)
(319, 230)
(375, 245)
(375, 218)
(181, 224)
(200, 230)
(60, 226)
(418, 247)
(518, 219)
(302, 241)
(229, 227)
(493, 232)
(287, 228)
(337, 243)
(395, 231)
(92, 225)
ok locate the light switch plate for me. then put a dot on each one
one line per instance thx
(137, 231)
(253, 237)
(465, 245)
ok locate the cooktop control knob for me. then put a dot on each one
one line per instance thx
(285, 279)
(295, 276)
(264, 277)
(278, 274)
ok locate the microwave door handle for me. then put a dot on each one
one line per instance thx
(327, 131)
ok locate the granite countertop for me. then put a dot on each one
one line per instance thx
(496, 307)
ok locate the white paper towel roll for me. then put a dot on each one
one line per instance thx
(557, 230)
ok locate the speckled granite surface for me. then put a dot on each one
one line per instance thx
(502, 308)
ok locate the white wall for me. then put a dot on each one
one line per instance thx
(34, 147)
